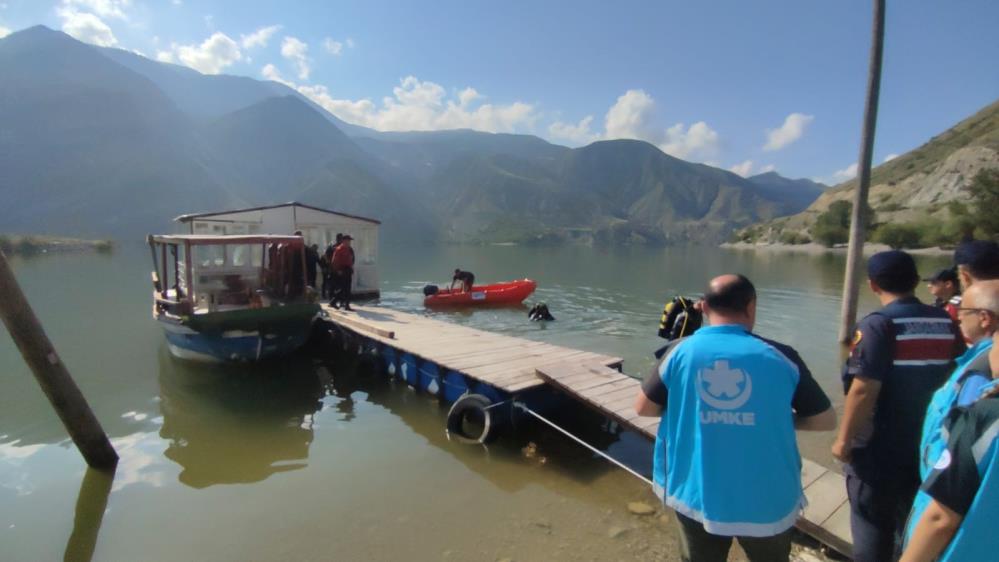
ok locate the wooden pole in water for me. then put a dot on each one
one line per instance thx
(858, 217)
(51, 374)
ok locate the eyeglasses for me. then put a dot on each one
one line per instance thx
(985, 310)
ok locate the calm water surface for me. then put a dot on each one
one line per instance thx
(310, 458)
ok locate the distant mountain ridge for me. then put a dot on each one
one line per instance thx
(104, 142)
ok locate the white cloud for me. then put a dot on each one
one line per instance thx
(744, 169)
(210, 57)
(579, 133)
(792, 130)
(177, 2)
(332, 47)
(767, 168)
(258, 38)
(350, 43)
(295, 50)
(417, 105)
(631, 117)
(102, 8)
(889, 158)
(847, 173)
(4, 32)
(86, 27)
(698, 141)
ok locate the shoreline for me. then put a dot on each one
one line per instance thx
(814, 248)
(23, 245)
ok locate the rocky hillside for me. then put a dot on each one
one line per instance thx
(916, 188)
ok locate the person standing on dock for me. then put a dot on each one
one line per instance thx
(978, 319)
(900, 356)
(940, 497)
(976, 260)
(959, 520)
(726, 459)
(343, 272)
(946, 290)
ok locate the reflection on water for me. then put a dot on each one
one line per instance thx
(338, 462)
(91, 503)
(240, 423)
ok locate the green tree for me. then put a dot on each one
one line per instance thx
(899, 236)
(833, 226)
(985, 195)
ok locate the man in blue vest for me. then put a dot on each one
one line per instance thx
(726, 460)
(962, 493)
(978, 317)
(901, 354)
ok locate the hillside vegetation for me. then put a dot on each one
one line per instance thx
(922, 198)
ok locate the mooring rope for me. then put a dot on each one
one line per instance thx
(524, 408)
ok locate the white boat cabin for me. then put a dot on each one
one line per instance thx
(318, 226)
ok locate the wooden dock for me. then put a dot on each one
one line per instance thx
(827, 516)
(505, 362)
(515, 365)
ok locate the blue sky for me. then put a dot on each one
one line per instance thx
(743, 85)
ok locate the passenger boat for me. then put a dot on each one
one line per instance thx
(512, 292)
(232, 298)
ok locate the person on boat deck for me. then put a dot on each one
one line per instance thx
(960, 498)
(726, 458)
(946, 291)
(900, 356)
(329, 281)
(311, 264)
(466, 278)
(343, 271)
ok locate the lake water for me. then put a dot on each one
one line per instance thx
(312, 459)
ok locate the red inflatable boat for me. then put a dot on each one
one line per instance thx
(512, 292)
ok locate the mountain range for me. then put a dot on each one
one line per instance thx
(104, 142)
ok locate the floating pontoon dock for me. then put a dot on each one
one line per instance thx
(449, 360)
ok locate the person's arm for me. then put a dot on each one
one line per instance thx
(871, 359)
(933, 532)
(857, 412)
(952, 486)
(812, 409)
(651, 399)
(644, 406)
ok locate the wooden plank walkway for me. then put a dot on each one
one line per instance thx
(505, 362)
(515, 364)
(827, 516)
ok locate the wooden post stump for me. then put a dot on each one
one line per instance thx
(51, 373)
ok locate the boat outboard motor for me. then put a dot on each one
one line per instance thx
(680, 319)
(430, 290)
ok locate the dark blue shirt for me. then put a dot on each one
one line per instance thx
(908, 347)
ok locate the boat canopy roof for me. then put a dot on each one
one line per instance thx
(219, 240)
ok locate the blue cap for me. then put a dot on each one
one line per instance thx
(894, 271)
(977, 254)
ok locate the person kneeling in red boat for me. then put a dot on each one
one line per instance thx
(467, 279)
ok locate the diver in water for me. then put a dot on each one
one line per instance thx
(539, 312)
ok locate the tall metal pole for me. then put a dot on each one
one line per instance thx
(858, 218)
(51, 373)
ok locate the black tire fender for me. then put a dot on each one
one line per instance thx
(462, 407)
